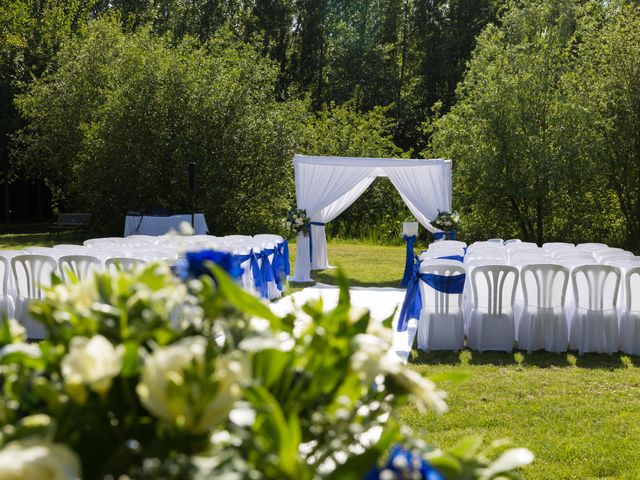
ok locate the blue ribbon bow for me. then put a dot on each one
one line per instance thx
(408, 264)
(412, 304)
(254, 266)
(281, 265)
(451, 234)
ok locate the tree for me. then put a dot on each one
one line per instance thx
(515, 164)
(606, 93)
(116, 124)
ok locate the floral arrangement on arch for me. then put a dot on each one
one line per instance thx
(149, 375)
(446, 221)
(296, 221)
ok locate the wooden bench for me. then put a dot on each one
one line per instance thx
(70, 221)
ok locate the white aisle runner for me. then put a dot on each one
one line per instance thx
(379, 301)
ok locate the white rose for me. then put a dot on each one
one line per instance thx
(34, 459)
(193, 404)
(93, 362)
(373, 357)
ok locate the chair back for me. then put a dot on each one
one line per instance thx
(499, 241)
(103, 241)
(618, 258)
(8, 281)
(234, 238)
(494, 288)
(125, 264)
(596, 287)
(69, 247)
(434, 300)
(31, 272)
(591, 246)
(448, 243)
(544, 285)
(608, 252)
(523, 260)
(632, 289)
(555, 245)
(265, 237)
(81, 266)
(485, 255)
(520, 244)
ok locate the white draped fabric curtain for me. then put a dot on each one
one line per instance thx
(326, 186)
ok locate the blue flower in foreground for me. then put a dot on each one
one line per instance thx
(195, 264)
(404, 464)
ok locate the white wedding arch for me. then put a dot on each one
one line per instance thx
(327, 186)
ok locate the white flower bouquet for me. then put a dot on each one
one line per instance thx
(446, 221)
(296, 221)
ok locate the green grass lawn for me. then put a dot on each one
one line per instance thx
(580, 415)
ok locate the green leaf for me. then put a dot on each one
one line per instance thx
(242, 300)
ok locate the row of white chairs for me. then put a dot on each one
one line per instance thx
(25, 272)
(539, 302)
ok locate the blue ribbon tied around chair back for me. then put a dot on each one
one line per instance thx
(256, 273)
(281, 265)
(408, 264)
(452, 284)
(451, 235)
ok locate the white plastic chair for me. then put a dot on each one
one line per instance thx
(485, 246)
(542, 323)
(31, 272)
(48, 251)
(441, 324)
(591, 246)
(125, 264)
(611, 252)
(524, 260)
(8, 291)
(235, 238)
(69, 247)
(617, 257)
(448, 243)
(103, 241)
(81, 265)
(482, 255)
(554, 245)
(629, 340)
(491, 322)
(594, 324)
(520, 244)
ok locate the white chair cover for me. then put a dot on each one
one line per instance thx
(441, 325)
(491, 321)
(541, 321)
(594, 324)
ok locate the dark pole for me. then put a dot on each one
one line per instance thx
(192, 187)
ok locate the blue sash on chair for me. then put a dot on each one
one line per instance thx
(453, 284)
(408, 264)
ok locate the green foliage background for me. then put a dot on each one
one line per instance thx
(536, 103)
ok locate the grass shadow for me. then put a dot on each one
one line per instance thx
(539, 359)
